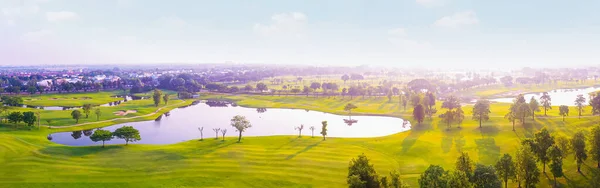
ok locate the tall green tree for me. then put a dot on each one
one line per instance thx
(555, 156)
(240, 123)
(580, 103)
(419, 113)
(481, 111)
(485, 177)
(29, 118)
(564, 144)
(459, 116)
(563, 111)
(595, 103)
(324, 129)
(87, 108)
(465, 164)
(542, 141)
(457, 179)
(156, 97)
(76, 115)
(546, 102)
(595, 144)
(101, 135)
(98, 113)
(166, 98)
(523, 111)
(512, 114)
(527, 170)
(534, 106)
(434, 176)
(506, 168)
(364, 170)
(128, 133)
(451, 103)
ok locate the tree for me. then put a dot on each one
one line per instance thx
(450, 103)
(523, 111)
(419, 113)
(299, 128)
(76, 114)
(248, 88)
(527, 171)
(349, 107)
(101, 135)
(29, 118)
(261, 87)
(324, 129)
(459, 116)
(156, 97)
(314, 86)
(355, 182)
(595, 103)
(395, 180)
(485, 177)
(217, 133)
(481, 111)
(563, 144)
(15, 117)
(555, 156)
(166, 98)
(563, 111)
(312, 130)
(201, 129)
(512, 114)
(128, 133)
(506, 168)
(360, 167)
(534, 106)
(345, 78)
(457, 179)
(240, 123)
(580, 103)
(98, 113)
(546, 102)
(433, 177)
(87, 108)
(464, 164)
(595, 144)
(223, 132)
(542, 141)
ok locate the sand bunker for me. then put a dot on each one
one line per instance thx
(124, 113)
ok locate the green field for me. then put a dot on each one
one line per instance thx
(28, 159)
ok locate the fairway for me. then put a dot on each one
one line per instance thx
(28, 159)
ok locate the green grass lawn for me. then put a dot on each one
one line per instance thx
(73, 99)
(28, 159)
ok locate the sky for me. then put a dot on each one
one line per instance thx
(395, 33)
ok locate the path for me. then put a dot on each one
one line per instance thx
(104, 121)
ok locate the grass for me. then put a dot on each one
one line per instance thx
(27, 159)
(72, 100)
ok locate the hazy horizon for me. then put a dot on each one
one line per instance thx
(408, 33)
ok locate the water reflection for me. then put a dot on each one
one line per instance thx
(261, 110)
(182, 124)
(88, 132)
(76, 134)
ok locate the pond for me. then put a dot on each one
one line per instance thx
(558, 96)
(182, 124)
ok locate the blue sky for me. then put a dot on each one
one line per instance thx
(401, 33)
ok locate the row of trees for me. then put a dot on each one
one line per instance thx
(87, 109)
(127, 133)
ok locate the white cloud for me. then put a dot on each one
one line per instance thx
(457, 20)
(11, 13)
(285, 23)
(172, 22)
(36, 35)
(431, 3)
(61, 16)
(399, 38)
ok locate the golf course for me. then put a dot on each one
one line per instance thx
(29, 159)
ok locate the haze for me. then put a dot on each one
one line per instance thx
(408, 33)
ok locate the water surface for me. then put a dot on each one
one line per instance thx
(558, 96)
(182, 124)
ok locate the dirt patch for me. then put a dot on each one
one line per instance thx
(53, 99)
(124, 113)
(86, 98)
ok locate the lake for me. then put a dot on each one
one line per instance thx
(558, 96)
(182, 124)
